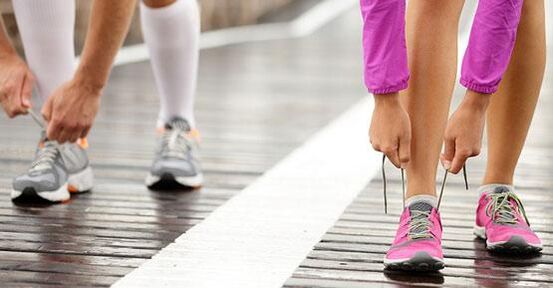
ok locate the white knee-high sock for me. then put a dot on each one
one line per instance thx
(47, 29)
(172, 34)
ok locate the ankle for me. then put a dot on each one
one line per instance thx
(429, 199)
(502, 178)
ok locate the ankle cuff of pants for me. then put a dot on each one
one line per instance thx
(391, 89)
(485, 89)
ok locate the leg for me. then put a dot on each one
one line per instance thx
(432, 42)
(46, 28)
(512, 108)
(171, 30)
(509, 116)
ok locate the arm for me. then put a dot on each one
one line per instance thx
(108, 26)
(491, 44)
(386, 73)
(16, 80)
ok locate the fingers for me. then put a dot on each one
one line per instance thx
(11, 97)
(391, 152)
(449, 153)
(461, 153)
(47, 110)
(85, 132)
(458, 162)
(27, 91)
(404, 151)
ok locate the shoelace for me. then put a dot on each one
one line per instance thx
(46, 156)
(420, 225)
(175, 143)
(384, 180)
(501, 210)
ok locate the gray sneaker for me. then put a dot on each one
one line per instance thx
(176, 159)
(56, 171)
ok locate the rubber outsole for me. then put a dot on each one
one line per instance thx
(515, 246)
(29, 195)
(421, 262)
(168, 181)
(80, 182)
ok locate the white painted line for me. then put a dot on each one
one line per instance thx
(304, 25)
(259, 237)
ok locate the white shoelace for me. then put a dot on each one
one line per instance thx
(45, 158)
(174, 143)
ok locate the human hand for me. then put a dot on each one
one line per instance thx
(390, 131)
(464, 131)
(16, 85)
(70, 111)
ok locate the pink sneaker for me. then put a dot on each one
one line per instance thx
(417, 246)
(502, 222)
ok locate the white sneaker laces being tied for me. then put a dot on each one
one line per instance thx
(384, 182)
(46, 155)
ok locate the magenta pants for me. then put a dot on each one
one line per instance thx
(491, 43)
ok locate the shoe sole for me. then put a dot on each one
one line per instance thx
(168, 179)
(76, 183)
(421, 262)
(515, 245)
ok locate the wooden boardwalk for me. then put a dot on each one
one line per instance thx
(256, 103)
(351, 252)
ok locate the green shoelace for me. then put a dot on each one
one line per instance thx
(501, 210)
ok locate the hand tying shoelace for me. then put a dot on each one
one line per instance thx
(384, 180)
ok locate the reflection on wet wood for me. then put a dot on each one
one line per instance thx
(255, 104)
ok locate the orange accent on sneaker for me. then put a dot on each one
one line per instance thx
(194, 133)
(160, 130)
(72, 189)
(83, 142)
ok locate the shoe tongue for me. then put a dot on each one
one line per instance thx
(420, 206)
(178, 123)
(501, 189)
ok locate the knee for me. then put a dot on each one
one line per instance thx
(534, 6)
(159, 3)
(438, 9)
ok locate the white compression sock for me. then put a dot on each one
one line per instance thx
(47, 29)
(172, 35)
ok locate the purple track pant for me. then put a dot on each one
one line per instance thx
(488, 53)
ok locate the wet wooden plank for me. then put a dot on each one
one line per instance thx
(243, 111)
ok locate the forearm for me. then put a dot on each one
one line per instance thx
(385, 53)
(491, 44)
(109, 23)
(6, 47)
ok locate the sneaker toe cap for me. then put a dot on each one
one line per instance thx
(175, 167)
(40, 183)
(409, 249)
(504, 233)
